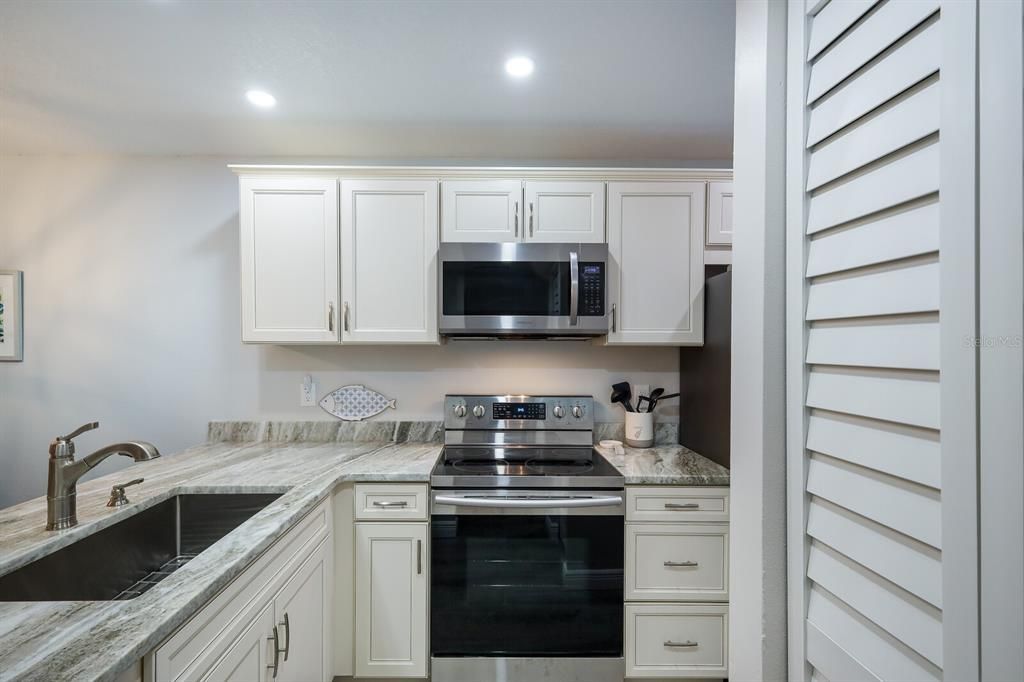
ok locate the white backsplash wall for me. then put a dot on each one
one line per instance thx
(132, 319)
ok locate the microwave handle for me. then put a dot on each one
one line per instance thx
(574, 288)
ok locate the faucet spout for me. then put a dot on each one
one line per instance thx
(140, 451)
(65, 470)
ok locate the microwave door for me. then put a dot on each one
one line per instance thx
(523, 290)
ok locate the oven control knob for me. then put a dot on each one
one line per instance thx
(460, 411)
(577, 411)
(559, 411)
(478, 411)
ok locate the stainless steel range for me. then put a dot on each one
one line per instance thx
(526, 544)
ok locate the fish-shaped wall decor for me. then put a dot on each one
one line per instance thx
(355, 403)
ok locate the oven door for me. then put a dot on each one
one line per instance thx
(523, 289)
(526, 574)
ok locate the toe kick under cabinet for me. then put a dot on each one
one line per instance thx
(677, 582)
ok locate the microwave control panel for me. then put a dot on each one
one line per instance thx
(592, 289)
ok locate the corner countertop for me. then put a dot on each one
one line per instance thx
(58, 640)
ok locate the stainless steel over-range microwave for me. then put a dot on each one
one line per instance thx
(524, 289)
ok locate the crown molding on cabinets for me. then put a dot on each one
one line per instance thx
(484, 172)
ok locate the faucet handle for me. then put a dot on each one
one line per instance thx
(79, 431)
(117, 496)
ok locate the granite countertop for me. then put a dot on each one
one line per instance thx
(666, 465)
(59, 640)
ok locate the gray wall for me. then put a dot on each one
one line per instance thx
(132, 319)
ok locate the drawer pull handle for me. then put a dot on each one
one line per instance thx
(681, 645)
(678, 506)
(673, 564)
(390, 504)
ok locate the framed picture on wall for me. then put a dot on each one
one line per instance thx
(12, 333)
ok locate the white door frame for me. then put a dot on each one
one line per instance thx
(757, 565)
(1001, 328)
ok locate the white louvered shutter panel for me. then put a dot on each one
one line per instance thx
(868, 411)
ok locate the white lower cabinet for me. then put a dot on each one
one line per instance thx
(302, 611)
(246, 660)
(287, 591)
(677, 562)
(677, 640)
(391, 599)
(677, 588)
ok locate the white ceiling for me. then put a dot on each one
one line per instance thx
(624, 80)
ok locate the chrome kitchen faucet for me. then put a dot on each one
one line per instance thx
(65, 470)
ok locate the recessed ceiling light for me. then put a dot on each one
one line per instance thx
(261, 99)
(519, 67)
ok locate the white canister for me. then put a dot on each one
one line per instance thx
(639, 429)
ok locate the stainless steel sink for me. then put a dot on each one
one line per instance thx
(126, 559)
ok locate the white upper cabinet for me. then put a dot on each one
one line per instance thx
(564, 211)
(289, 266)
(389, 261)
(481, 210)
(719, 214)
(518, 211)
(656, 271)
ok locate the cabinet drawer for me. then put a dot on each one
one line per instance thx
(676, 640)
(677, 504)
(677, 562)
(385, 501)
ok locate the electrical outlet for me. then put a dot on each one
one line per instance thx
(307, 392)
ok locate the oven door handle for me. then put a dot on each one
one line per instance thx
(535, 503)
(574, 288)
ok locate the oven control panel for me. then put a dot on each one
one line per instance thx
(496, 412)
(531, 411)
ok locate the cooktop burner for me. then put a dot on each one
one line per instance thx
(481, 467)
(558, 468)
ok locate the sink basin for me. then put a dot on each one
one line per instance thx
(126, 559)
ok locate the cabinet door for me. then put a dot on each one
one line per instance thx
(391, 599)
(247, 659)
(389, 261)
(481, 210)
(656, 271)
(564, 211)
(302, 604)
(719, 214)
(289, 268)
